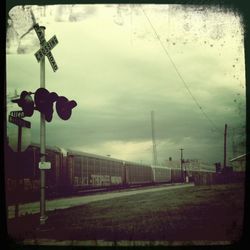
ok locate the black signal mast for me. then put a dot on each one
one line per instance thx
(45, 50)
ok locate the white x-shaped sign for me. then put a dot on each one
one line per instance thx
(46, 48)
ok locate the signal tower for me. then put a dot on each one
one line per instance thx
(153, 139)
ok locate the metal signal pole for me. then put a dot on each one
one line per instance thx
(45, 50)
(43, 217)
(181, 149)
(19, 143)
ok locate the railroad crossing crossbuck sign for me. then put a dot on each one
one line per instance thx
(46, 48)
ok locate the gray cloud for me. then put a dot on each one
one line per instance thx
(117, 82)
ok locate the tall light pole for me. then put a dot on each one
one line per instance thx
(181, 149)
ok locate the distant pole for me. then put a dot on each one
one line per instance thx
(233, 143)
(19, 143)
(181, 149)
(42, 143)
(153, 139)
(225, 146)
(185, 171)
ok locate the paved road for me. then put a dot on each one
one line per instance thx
(34, 207)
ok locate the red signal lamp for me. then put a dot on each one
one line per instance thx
(26, 103)
(64, 107)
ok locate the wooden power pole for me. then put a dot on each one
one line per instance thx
(225, 146)
(181, 149)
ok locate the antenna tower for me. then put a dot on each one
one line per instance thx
(153, 139)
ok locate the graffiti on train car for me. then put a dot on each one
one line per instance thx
(80, 181)
(76, 180)
(100, 180)
(104, 180)
(116, 180)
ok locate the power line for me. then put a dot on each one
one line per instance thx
(178, 73)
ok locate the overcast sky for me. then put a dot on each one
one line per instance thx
(120, 62)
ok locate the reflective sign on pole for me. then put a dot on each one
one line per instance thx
(44, 165)
(19, 114)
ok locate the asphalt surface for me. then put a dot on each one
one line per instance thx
(34, 207)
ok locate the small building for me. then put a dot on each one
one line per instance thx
(239, 163)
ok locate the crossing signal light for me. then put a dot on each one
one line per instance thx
(44, 102)
(26, 103)
(64, 107)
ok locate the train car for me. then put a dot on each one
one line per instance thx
(177, 175)
(138, 173)
(52, 176)
(23, 174)
(201, 176)
(74, 170)
(85, 170)
(161, 174)
(10, 169)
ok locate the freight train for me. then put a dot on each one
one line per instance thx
(74, 171)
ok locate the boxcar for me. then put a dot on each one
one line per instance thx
(201, 176)
(23, 169)
(90, 170)
(176, 175)
(161, 174)
(138, 173)
(53, 175)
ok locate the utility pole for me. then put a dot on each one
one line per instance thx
(181, 149)
(234, 149)
(44, 104)
(153, 139)
(45, 50)
(19, 143)
(42, 141)
(225, 146)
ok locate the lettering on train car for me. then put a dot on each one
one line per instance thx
(100, 180)
(116, 180)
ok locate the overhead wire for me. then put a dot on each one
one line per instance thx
(179, 74)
